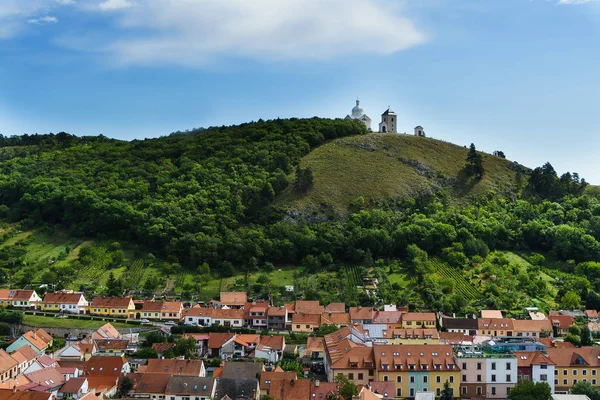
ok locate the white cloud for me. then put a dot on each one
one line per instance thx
(43, 20)
(195, 32)
(111, 5)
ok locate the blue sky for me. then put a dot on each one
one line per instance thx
(522, 76)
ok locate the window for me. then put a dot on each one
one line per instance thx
(399, 379)
(464, 378)
(307, 326)
(584, 372)
(297, 326)
(493, 390)
(478, 378)
(508, 366)
(493, 366)
(508, 378)
(543, 377)
(565, 382)
(399, 392)
(412, 379)
(574, 381)
(543, 366)
(493, 378)
(479, 390)
(438, 379)
(556, 381)
(386, 378)
(361, 376)
(593, 382)
(464, 366)
(412, 392)
(564, 371)
(351, 376)
(451, 379)
(594, 372)
(478, 366)
(464, 390)
(425, 379)
(574, 372)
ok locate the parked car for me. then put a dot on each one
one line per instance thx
(169, 323)
(145, 321)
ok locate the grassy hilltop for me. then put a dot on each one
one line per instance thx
(392, 166)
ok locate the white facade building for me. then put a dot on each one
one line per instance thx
(389, 122)
(357, 113)
(419, 131)
(501, 376)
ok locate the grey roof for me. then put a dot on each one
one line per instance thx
(459, 323)
(388, 112)
(190, 385)
(375, 330)
(242, 370)
(236, 389)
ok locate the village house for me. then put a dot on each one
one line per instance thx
(8, 366)
(111, 347)
(466, 326)
(335, 308)
(561, 324)
(221, 345)
(161, 310)
(74, 303)
(190, 387)
(235, 300)
(25, 356)
(361, 315)
(322, 390)
(270, 348)
(412, 320)
(572, 365)
(228, 317)
(266, 378)
(255, 315)
(121, 307)
(491, 376)
(148, 386)
(74, 388)
(198, 316)
(174, 366)
(415, 368)
(532, 328)
(495, 327)
(335, 318)
(357, 364)
(231, 388)
(276, 318)
(411, 336)
(535, 366)
(19, 298)
(290, 389)
(38, 339)
(305, 322)
(79, 351)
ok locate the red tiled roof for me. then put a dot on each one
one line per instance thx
(591, 314)
(162, 306)
(529, 358)
(523, 325)
(387, 317)
(417, 316)
(173, 366)
(273, 342)
(198, 311)
(162, 347)
(277, 311)
(335, 308)
(228, 314)
(104, 366)
(328, 318)
(8, 394)
(495, 324)
(308, 307)
(562, 321)
(361, 313)
(300, 318)
(216, 340)
(23, 294)
(62, 298)
(73, 385)
(570, 357)
(290, 390)
(275, 376)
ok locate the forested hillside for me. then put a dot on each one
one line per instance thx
(436, 231)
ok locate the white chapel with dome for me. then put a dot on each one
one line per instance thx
(357, 113)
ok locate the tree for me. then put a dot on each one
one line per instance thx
(586, 336)
(346, 389)
(304, 179)
(126, 386)
(447, 392)
(586, 388)
(570, 301)
(527, 390)
(114, 286)
(474, 165)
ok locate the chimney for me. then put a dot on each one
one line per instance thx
(34, 334)
(453, 315)
(292, 382)
(15, 388)
(317, 383)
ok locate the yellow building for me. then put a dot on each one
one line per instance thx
(574, 365)
(305, 322)
(120, 307)
(418, 320)
(416, 368)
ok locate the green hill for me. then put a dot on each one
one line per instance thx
(391, 166)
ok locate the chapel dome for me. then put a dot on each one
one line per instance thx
(357, 112)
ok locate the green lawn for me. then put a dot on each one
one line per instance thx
(401, 279)
(53, 322)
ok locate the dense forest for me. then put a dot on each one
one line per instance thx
(206, 196)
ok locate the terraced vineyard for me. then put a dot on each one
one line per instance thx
(94, 271)
(133, 275)
(354, 275)
(462, 285)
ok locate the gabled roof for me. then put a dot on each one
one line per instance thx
(418, 316)
(235, 388)
(172, 366)
(62, 298)
(162, 347)
(162, 306)
(591, 314)
(8, 394)
(112, 344)
(50, 377)
(102, 383)
(242, 370)
(421, 356)
(223, 313)
(562, 321)
(356, 358)
(273, 342)
(523, 325)
(26, 352)
(290, 389)
(308, 307)
(233, 298)
(111, 302)
(385, 389)
(387, 317)
(491, 314)
(6, 294)
(198, 311)
(335, 308)
(267, 377)
(361, 313)
(495, 323)
(151, 383)
(217, 340)
(23, 294)
(301, 318)
(107, 331)
(529, 358)
(323, 390)
(459, 323)
(104, 366)
(570, 357)
(277, 312)
(38, 338)
(6, 361)
(329, 318)
(315, 344)
(190, 386)
(73, 385)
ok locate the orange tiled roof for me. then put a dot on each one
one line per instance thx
(198, 311)
(62, 298)
(356, 358)
(563, 321)
(162, 347)
(27, 352)
(23, 294)
(104, 366)
(111, 302)
(312, 319)
(361, 313)
(335, 308)
(162, 306)
(275, 376)
(6, 361)
(328, 318)
(274, 342)
(495, 324)
(222, 313)
(418, 316)
(8, 394)
(316, 344)
(290, 390)
(216, 340)
(277, 311)
(529, 358)
(570, 357)
(412, 334)
(591, 314)
(491, 314)
(523, 325)
(233, 298)
(422, 357)
(308, 307)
